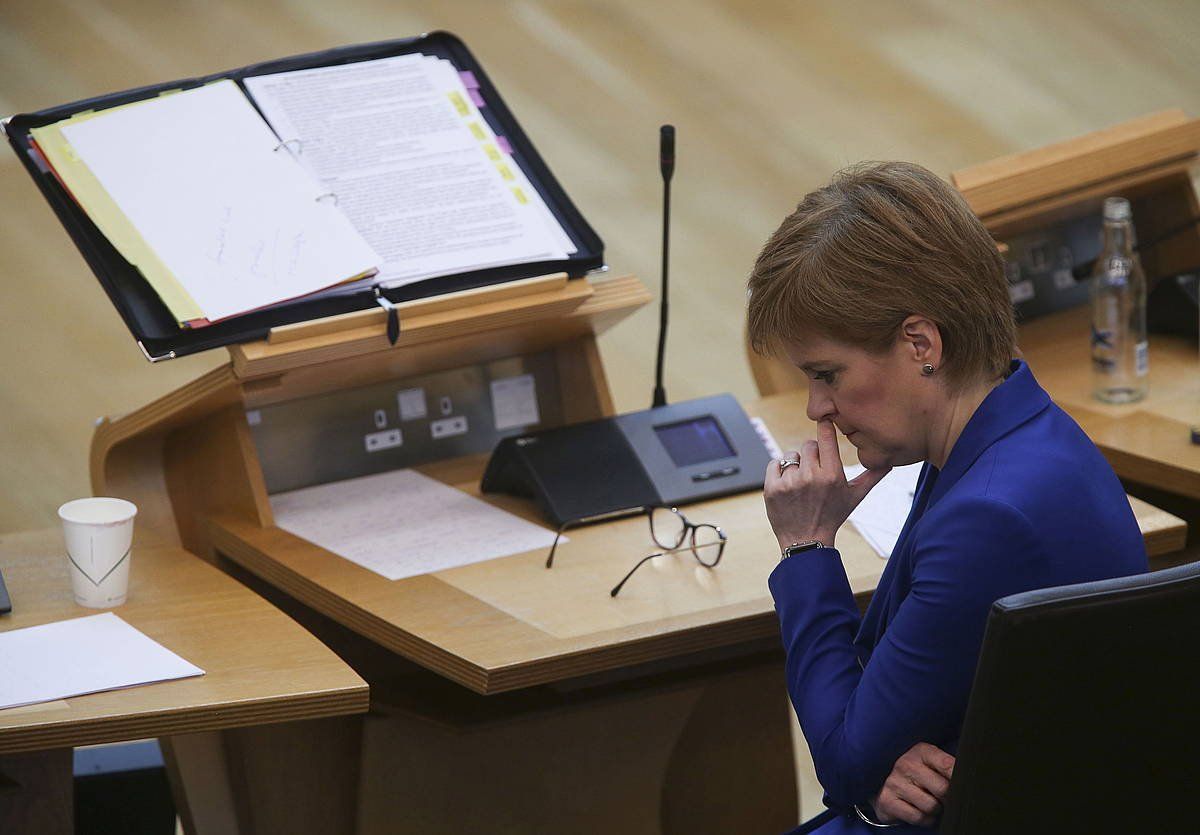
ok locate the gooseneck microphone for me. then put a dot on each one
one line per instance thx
(666, 164)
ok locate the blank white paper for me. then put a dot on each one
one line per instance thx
(79, 656)
(881, 515)
(402, 523)
(239, 223)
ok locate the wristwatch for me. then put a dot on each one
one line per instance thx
(800, 547)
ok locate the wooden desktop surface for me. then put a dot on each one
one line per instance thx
(511, 623)
(1148, 442)
(261, 667)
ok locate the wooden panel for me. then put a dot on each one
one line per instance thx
(1030, 176)
(414, 310)
(1161, 530)
(297, 777)
(1168, 211)
(261, 667)
(434, 325)
(468, 349)
(212, 467)
(200, 786)
(37, 794)
(639, 760)
(582, 381)
(1090, 199)
(325, 368)
(509, 623)
(127, 452)
(1022, 162)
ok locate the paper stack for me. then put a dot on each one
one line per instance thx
(384, 171)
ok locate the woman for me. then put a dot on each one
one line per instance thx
(889, 294)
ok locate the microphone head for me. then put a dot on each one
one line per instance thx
(666, 150)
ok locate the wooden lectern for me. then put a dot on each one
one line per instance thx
(189, 456)
(505, 697)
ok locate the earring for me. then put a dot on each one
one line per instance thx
(927, 369)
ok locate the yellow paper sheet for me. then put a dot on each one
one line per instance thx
(110, 220)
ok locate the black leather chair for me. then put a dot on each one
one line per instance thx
(1085, 712)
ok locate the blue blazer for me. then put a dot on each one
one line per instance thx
(1025, 501)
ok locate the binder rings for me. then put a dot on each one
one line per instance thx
(148, 318)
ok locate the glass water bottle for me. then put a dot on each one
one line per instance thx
(1120, 352)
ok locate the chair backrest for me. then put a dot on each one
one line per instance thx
(1085, 711)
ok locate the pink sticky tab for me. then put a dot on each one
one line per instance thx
(502, 144)
(468, 79)
(476, 96)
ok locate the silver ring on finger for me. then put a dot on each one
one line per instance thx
(784, 463)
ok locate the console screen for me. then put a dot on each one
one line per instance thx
(694, 441)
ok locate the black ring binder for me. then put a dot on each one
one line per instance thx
(154, 327)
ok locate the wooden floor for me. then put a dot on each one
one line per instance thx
(769, 98)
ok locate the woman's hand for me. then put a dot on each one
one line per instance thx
(813, 499)
(916, 788)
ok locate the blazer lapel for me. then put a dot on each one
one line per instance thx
(1014, 402)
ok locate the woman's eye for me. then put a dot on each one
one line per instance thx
(826, 377)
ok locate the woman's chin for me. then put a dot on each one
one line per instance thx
(870, 459)
(876, 459)
(873, 459)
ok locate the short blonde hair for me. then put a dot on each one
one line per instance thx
(881, 242)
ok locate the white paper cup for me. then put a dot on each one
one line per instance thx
(99, 537)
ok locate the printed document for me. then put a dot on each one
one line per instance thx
(83, 655)
(880, 517)
(402, 523)
(417, 169)
(237, 222)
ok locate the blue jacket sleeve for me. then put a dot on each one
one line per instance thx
(914, 688)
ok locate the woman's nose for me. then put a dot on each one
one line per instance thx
(819, 403)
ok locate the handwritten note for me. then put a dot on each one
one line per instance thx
(401, 523)
(237, 221)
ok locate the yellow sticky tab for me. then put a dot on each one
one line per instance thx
(505, 172)
(477, 131)
(459, 103)
(521, 198)
(492, 153)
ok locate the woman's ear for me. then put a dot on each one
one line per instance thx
(922, 340)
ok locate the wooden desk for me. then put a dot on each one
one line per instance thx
(507, 624)
(260, 668)
(510, 624)
(1147, 442)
